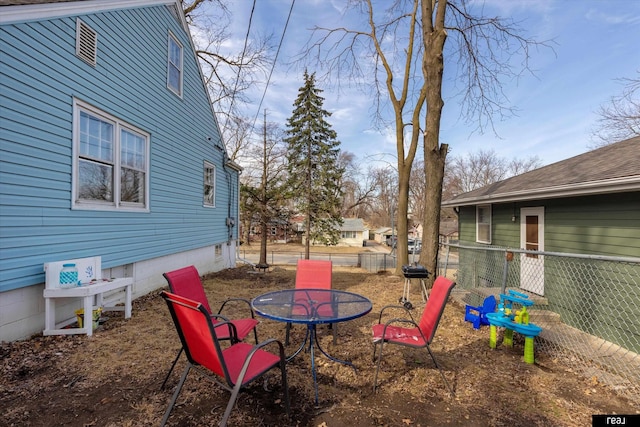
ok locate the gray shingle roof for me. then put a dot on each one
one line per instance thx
(610, 169)
(352, 224)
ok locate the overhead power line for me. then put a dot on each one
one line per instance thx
(284, 31)
(244, 51)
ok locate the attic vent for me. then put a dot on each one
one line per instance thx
(174, 11)
(86, 43)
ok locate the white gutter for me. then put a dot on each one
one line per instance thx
(37, 12)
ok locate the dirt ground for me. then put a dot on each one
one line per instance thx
(114, 377)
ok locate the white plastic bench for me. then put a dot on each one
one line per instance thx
(91, 291)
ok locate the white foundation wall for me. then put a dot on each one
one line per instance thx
(22, 310)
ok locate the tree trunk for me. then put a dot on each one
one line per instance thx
(401, 219)
(434, 37)
(263, 242)
(263, 195)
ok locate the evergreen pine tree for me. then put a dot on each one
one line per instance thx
(312, 163)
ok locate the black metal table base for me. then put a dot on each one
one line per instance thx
(311, 337)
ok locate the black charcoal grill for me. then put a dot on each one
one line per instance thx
(413, 271)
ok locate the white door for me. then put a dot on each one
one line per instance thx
(532, 239)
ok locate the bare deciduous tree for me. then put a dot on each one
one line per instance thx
(384, 204)
(359, 190)
(228, 73)
(263, 197)
(405, 48)
(484, 167)
(620, 118)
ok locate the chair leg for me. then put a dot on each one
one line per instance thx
(175, 395)
(231, 404)
(375, 377)
(255, 334)
(283, 369)
(171, 369)
(441, 372)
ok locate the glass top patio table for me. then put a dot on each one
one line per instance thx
(312, 307)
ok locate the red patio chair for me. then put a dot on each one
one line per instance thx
(416, 335)
(234, 367)
(186, 282)
(313, 274)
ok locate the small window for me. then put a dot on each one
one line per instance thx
(218, 251)
(86, 43)
(174, 66)
(111, 162)
(483, 224)
(348, 235)
(209, 184)
(274, 231)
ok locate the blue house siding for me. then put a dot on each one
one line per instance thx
(41, 76)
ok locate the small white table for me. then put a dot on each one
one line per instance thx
(92, 290)
(88, 293)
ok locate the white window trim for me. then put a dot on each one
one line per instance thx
(204, 176)
(490, 215)
(116, 205)
(176, 41)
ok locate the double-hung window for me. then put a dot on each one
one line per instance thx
(111, 162)
(483, 223)
(209, 184)
(174, 66)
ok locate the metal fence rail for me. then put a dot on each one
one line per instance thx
(588, 306)
(291, 258)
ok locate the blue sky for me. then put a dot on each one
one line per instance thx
(595, 43)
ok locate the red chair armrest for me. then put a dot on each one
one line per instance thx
(399, 307)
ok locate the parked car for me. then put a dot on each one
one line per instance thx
(414, 246)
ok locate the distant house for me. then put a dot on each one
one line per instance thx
(278, 231)
(415, 232)
(353, 232)
(381, 234)
(110, 148)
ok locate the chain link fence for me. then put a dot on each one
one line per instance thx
(587, 306)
